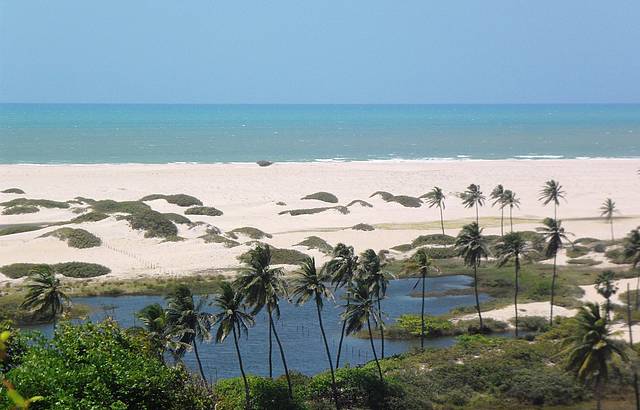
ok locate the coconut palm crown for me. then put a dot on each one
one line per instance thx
(473, 197)
(607, 211)
(552, 192)
(45, 294)
(436, 198)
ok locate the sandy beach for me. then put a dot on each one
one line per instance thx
(253, 196)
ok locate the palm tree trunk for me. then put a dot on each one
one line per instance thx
(477, 215)
(636, 388)
(515, 297)
(424, 274)
(269, 324)
(553, 288)
(344, 326)
(381, 328)
(441, 220)
(475, 287)
(555, 211)
(611, 223)
(598, 392)
(247, 394)
(334, 388)
(511, 217)
(638, 291)
(373, 349)
(284, 360)
(195, 350)
(501, 221)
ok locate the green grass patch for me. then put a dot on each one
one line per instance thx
(75, 238)
(20, 209)
(89, 217)
(253, 233)
(216, 238)
(177, 218)
(177, 199)
(322, 196)
(203, 210)
(109, 206)
(363, 227)
(584, 262)
(19, 270)
(13, 191)
(14, 229)
(616, 256)
(80, 269)
(315, 242)
(577, 251)
(310, 211)
(44, 203)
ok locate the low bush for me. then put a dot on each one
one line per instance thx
(583, 261)
(76, 238)
(20, 209)
(216, 238)
(363, 227)
(13, 191)
(404, 200)
(315, 242)
(265, 394)
(18, 270)
(616, 255)
(577, 251)
(109, 206)
(155, 224)
(253, 233)
(322, 196)
(280, 256)
(177, 218)
(80, 269)
(532, 323)
(44, 203)
(310, 211)
(13, 229)
(264, 163)
(203, 210)
(177, 199)
(434, 326)
(433, 239)
(360, 202)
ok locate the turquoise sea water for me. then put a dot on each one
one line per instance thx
(52, 133)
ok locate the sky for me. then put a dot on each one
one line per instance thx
(332, 51)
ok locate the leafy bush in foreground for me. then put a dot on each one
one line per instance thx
(177, 199)
(80, 269)
(100, 366)
(18, 270)
(265, 394)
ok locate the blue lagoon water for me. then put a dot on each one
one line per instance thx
(59, 133)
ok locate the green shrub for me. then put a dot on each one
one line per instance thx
(616, 255)
(599, 247)
(577, 251)
(442, 253)
(405, 247)
(44, 203)
(20, 209)
(265, 394)
(76, 238)
(89, 217)
(360, 202)
(532, 323)
(155, 224)
(584, 262)
(80, 269)
(550, 387)
(585, 241)
(100, 366)
(18, 270)
(434, 326)
(177, 218)
(13, 229)
(433, 239)
(363, 227)
(253, 233)
(404, 200)
(280, 256)
(323, 196)
(13, 191)
(203, 210)
(310, 211)
(215, 238)
(315, 242)
(109, 206)
(177, 199)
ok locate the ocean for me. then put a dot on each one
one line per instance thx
(120, 133)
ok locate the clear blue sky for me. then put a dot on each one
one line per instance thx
(327, 51)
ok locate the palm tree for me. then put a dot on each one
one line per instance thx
(156, 325)
(263, 286)
(554, 236)
(473, 197)
(606, 288)
(510, 199)
(371, 271)
(361, 311)
(472, 246)
(607, 210)
(592, 349)
(232, 319)
(552, 192)
(188, 321)
(309, 283)
(513, 246)
(342, 269)
(436, 198)
(422, 262)
(45, 294)
(632, 252)
(497, 197)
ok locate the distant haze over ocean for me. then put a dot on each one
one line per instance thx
(93, 133)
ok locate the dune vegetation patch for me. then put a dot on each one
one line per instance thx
(316, 242)
(217, 238)
(279, 256)
(13, 229)
(75, 238)
(360, 202)
(264, 163)
(404, 200)
(155, 224)
(322, 196)
(426, 240)
(310, 211)
(43, 203)
(363, 227)
(177, 218)
(203, 210)
(176, 199)
(583, 262)
(253, 233)
(577, 251)
(13, 191)
(20, 209)
(68, 269)
(92, 216)
(109, 206)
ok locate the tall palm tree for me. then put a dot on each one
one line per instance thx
(232, 319)
(361, 311)
(606, 288)
(436, 198)
(45, 294)
(497, 196)
(473, 197)
(378, 280)
(473, 247)
(510, 199)
(555, 237)
(552, 192)
(155, 322)
(592, 350)
(263, 286)
(632, 252)
(513, 246)
(422, 262)
(188, 321)
(309, 283)
(342, 269)
(607, 210)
